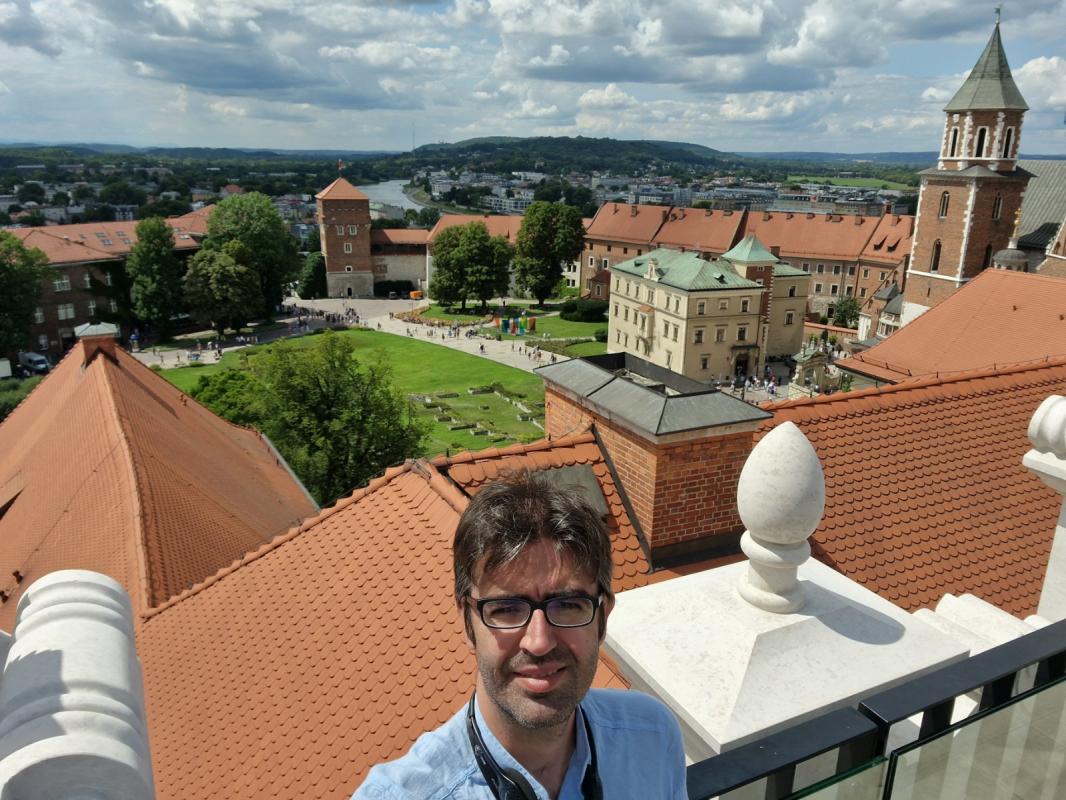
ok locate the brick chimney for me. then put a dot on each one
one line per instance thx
(677, 446)
(96, 337)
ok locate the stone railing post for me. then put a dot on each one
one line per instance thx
(72, 721)
(780, 497)
(1047, 460)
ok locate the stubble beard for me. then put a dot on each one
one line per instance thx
(537, 711)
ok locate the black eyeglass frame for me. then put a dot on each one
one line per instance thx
(534, 605)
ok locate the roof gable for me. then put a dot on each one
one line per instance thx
(705, 230)
(341, 189)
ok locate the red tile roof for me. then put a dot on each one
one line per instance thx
(699, 229)
(105, 241)
(925, 489)
(890, 241)
(497, 224)
(834, 237)
(341, 189)
(1000, 317)
(117, 471)
(618, 222)
(416, 236)
(472, 470)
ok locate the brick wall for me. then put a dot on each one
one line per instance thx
(680, 492)
(354, 217)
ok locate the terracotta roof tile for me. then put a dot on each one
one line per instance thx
(830, 236)
(942, 503)
(704, 230)
(1000, 317)
(497, 224)
(123, 474)
(618, 222)
(106, 241)
(341, 189)
(417, 236)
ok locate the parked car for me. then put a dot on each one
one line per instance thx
(34, 363)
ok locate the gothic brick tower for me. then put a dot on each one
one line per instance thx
(966, 205)
(344, 231)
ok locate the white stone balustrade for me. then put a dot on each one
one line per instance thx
(72, 721)
(1047, 460)
(780, 497)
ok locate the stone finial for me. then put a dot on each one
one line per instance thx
(1047, 428)
(780, 497)
(72, 721)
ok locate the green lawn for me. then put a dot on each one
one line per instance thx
(861, 183)
(560, 328)
(473, 313)
(587, 349)
(424, 368)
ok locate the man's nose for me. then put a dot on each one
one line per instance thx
(539, 638)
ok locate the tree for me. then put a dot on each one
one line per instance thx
(163, 208)
(551, 234)
(31, 193)
(61, 199)
(221, 289)
(448, 284)
(84, 192)
(337, 422)
(428, 216)
(846, 312)
(487, 261)
(233, 394)
(311, 282)
(22, 270)
(272, 254)
(121, 193)
(155, 273)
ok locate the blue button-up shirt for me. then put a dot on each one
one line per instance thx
(638, 750)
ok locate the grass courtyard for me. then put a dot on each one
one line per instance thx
(548, 325)
(426, 369)
(858, 183)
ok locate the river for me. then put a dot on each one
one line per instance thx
(390, 192)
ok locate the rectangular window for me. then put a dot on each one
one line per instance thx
(66, 311)
(625, 313)
(42, 341)
(113, 305)
(790, 317)
(61, 283)
(88, 278)
(592, 261)
(862, 292)
(618, 336)
(608, 248)
(625, 251)
(821, 268)
(340, 230)
(884, 275)
(742, 333)
(38, 316)
(666, 328)
(866, 273)
(833, 289)
(806, 267)
(347, 247)
(677, 304)
(616, 309)
(108, 278)
(704, 361)
(643, 319)
(817, 288)
(697, 336)
(836, 269)
(701, 307)
(639, 252)
(669, 358)
(723, 305)
(92, 308)
(674, 336)
(625, 339)
(605, 263)
(851, 270)
(719, 334)
(744, 303)
(848, 291)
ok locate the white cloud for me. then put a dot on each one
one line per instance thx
(1042, 82)
(228, 108)
(609, 97)
(558, 56)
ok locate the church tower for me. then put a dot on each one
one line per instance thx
(967, 204)
(344, 232)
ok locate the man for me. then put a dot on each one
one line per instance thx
(533, 582)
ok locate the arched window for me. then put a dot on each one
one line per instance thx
(934, 260)
(979, 148)
(987, 261)
(945, 201)
(953, 149)
(1008, 140)
(791, 291)
(997, 206)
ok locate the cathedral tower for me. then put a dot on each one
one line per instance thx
(967, 204)
(344, 231)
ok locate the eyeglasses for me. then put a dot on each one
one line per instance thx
(572, 611)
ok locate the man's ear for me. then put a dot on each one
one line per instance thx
(468, 626)
(606, 607)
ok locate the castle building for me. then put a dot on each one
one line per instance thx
(344, 233)
(967, 203)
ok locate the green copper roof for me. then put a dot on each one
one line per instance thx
(686, 271)
(750, 251)
(990, 85)
(785, 271)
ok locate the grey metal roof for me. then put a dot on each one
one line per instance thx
(96, 329)
(887, 292)
(895, 305)
(1044, 203)
(976, 171)
(990, 84)
(655, 411)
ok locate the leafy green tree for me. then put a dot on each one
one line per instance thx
(487, 262)
(272, 253)
(155, 273)
(312, 280)
(221, 289)
(233, 394)
(448, 284)
(84, 192)
(61, 199)
(22, 271)
(121, 193)
(846, 312)
(31, 193)
(428, 216)
(551, 235)
(99, 213)
(338, 422)
(35, 219)
(163, 208)
(387, 224)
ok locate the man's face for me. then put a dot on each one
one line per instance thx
(536, 675)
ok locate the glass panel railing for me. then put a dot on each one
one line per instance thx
(865, 782)
(1017, 750)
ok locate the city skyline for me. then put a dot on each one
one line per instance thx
(823, 75)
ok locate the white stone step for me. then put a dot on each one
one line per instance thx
(962, 635)
(981, 617)
(1036, 621)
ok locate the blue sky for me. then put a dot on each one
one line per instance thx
(860, 75)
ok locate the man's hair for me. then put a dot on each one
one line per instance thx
(518, 510)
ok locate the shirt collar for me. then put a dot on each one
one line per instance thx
(575, 773)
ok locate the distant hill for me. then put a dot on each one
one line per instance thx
(922, 159)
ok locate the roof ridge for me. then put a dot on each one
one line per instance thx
(544, 443)
(437, 482)
(67, 240)
(921, 382)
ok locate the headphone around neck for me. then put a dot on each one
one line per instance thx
(506, 783)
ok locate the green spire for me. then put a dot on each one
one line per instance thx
(990, 85)
(750, 251)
